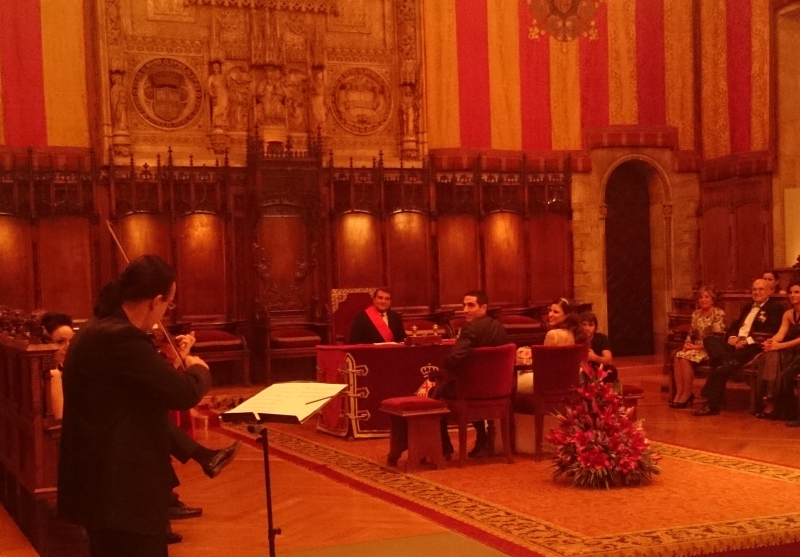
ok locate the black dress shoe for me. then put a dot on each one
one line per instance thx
(220, 460)
(479, 450)
(178, 510)
(172, 538)
(705, 411)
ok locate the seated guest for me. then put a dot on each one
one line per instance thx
(599, 347)
(479, 330)
(378, 323)
(779, 365)
(706, 320)
(59, 329)
(773, 286)
(763, 316)
(565, 330)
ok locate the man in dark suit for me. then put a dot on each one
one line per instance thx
(479, 330)
(378, 323)
(115, 475)
(729, 355)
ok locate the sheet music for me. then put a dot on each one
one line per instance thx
(297, 399)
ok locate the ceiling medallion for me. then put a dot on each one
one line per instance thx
(564, 20)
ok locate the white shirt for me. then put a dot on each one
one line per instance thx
(744, 330)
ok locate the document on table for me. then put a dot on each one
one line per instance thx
(293, 402)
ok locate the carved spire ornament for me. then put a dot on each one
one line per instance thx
(564, 20)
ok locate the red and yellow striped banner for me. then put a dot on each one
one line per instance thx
(43, 93)
(491, 86)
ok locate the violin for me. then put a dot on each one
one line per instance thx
(174, 354)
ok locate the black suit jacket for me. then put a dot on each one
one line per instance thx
(364, 332)
(115, 470)
(767, 321)
(484, 331)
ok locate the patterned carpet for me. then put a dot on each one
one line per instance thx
(702, 503)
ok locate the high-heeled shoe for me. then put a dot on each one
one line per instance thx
(685, 404)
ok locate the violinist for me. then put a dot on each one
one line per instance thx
(115, 475)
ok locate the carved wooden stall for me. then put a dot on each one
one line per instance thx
(28, 437)
(186, 215)
(286, 262)
(48, 225)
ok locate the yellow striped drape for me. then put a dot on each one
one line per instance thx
(714, 79)
(679, 62)
(442, 73)
(760, 120)
(64, 72)
(565, 95)
(622, 85)
(504, 75)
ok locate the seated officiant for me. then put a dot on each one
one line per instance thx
(378, 323)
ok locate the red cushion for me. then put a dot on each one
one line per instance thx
(213, 335)
(411, 404)
(293, 338)
(214, 339)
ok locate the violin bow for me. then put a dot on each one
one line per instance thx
(127, 261)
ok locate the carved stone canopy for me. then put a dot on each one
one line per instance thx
(325, 6)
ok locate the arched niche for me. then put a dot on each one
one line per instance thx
(359, 258)
(408, 258)
(16, 262)
(145, 233)
(504, 241)
(459, 257)
(65, 262)
(550, 256)
(200, 250)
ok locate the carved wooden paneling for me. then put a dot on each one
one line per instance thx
(358, 251)
(283, 258)
(737, 247)
(16, 262)
(200, 250)
(504, 241)
(407, 252)
(65, 265)
(142, 234)
(752, 241)
(550, 256)
(716, 238)
(459, 259)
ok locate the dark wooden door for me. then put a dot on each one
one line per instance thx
(628, 269)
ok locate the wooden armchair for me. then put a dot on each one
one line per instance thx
(556, 370)
(346, 303)
(483, 392)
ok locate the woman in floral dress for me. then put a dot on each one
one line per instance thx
(706, 320)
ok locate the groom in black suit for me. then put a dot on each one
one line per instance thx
(378, 323)
(729, 355)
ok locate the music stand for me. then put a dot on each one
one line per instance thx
(288, 403)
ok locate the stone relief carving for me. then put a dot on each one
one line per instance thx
(318, 111)
(167, 93)
(168, 10)
(297, 101)
(119, 103)
(289, 66)
(218, 97)
(360, 101)
(270, 108)
(241, 92)
(164, 45)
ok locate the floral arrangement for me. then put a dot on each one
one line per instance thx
(596, 442)
(524, 356)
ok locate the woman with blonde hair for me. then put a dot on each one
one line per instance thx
(707, 319)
